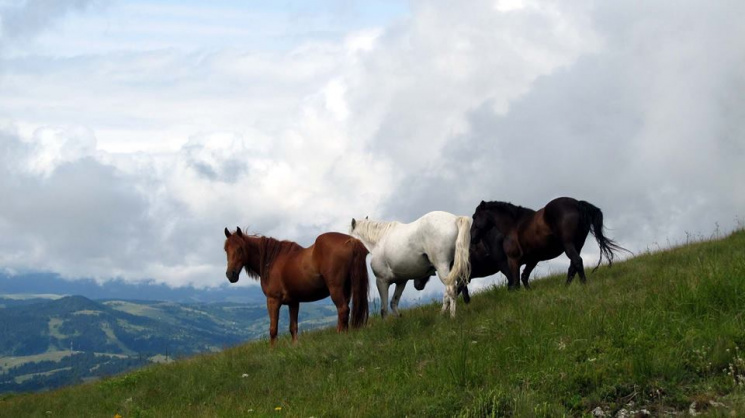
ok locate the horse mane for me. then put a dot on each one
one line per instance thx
(269, 249)
(513, 211)
(372, 231)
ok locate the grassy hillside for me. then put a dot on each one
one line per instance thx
(47, 344)
(656, 333)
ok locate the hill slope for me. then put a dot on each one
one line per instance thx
(658, 332)
(51, 343)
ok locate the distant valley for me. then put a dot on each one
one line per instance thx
(48, 341)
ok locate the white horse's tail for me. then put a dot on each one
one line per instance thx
(461, 265)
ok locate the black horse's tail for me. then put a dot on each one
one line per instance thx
(592, 217)
(360, 284)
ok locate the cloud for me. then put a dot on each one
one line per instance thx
(72, 214)
(649, 128)
(137, 158)
(646, 127)
(26, 18)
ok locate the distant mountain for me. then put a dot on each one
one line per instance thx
(46, 343)
(51, 283)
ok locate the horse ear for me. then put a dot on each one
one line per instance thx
(354, 223)
(482, 204)
(239, 232)
(365, 217)
(227, 233)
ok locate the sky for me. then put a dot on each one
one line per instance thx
(132, 133)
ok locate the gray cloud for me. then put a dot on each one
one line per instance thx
(634, 108)
(650, 128)
(26, 18)
(80, 216)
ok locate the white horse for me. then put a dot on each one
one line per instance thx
(436, 242)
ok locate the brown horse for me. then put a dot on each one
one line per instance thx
(526, 237)
(334, 265)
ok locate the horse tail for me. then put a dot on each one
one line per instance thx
(360, 284)
(592, 217)
(461, 264)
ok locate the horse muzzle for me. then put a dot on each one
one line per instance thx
(232, 275)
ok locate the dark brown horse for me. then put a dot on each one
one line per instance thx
(523, 236)
(483, 259)
(334, 265)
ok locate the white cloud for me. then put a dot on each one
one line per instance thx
(129, 161)
(509, 5)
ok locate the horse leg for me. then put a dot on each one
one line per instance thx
(513, 280)
(294, 309)
(383, 290)
(272, 306)
(570, 273)
(526, 273)
(342, 308)
(504, 268)
(450, 293)
(445, 303)
(576, 261)
(462, 288)
(400, 286)
(448, 297)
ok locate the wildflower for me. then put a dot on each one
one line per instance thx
(244, 375)
(279, 408)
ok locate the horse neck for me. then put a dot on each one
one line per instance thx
(372, 232)
(368, 243)
(505, 221)
(253, 251)
(264, 251)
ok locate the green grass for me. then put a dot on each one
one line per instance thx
(659, 331)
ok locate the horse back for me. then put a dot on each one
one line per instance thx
(333, 252)
(429, 233)
(565, 219)
(305, 273)
(532, 232)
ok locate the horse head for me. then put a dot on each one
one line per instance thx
(355, 224)
(482, 222)
(235, 252)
